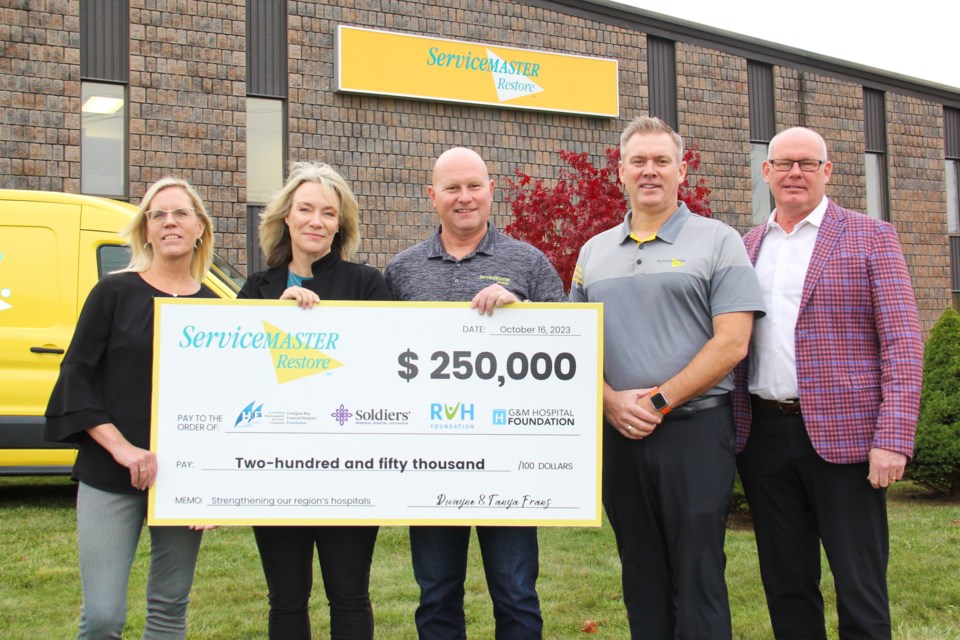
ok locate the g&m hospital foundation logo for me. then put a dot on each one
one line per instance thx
(294, 355)
(533, 418)
(459, 416)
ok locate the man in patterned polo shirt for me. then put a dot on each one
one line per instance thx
(467, 259)
(679, 302)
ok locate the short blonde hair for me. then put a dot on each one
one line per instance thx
(650, 125)
(141, 253)
(274, 233)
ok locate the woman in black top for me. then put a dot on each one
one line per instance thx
(101, 402)
(308, 234)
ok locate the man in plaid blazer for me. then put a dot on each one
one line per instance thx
(827, 400)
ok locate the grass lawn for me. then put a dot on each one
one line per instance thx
(579, 576)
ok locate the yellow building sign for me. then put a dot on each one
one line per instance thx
(409, 66)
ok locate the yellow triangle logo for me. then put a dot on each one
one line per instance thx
(292, 364)
(676, 263)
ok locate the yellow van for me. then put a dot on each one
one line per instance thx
(53, 249)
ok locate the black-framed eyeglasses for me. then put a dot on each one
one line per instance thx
(159, 215)
(807, 166)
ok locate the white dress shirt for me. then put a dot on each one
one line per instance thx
(781, 268)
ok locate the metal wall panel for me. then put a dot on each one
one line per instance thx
(763, 123)
(267, 48)
(874, 121)
(951, 132)
(662, 79)
(105, 40)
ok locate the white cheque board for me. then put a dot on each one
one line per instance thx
(376, 413)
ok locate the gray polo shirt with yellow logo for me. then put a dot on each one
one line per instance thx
(660, 294)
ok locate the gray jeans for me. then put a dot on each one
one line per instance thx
(109, 527)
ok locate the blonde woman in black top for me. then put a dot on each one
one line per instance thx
(308, 234)
(101, 402)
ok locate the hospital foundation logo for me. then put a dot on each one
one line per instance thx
(250, 415)
(254, 415)
(379, 416)
(460, 415)
(547, 417)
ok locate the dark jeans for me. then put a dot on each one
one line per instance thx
(510, 562)
(799, 500)
(345, 555)
(667, 497)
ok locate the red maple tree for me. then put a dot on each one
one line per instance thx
(584, 201)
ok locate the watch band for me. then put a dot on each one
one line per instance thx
(659, 402)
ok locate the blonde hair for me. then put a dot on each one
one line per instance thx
(274, 233)
(650, 125)
(141, 253)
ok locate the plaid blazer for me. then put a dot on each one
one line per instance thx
(857, 341)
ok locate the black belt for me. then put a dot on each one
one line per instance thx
(791, 406)
(692, 408)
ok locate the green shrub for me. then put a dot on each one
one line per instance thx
(936, 462)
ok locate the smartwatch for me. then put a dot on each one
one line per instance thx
(659, 402)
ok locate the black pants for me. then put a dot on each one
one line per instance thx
(345, 555)
(667, 497)
(799, 500)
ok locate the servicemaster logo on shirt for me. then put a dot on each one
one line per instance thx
(503, 281)
(673, 262)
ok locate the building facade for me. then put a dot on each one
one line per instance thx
(225, 93)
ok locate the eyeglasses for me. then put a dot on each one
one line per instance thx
(159, 215)
(807, 166)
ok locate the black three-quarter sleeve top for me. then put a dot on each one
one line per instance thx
(107, 377)
(333, 279)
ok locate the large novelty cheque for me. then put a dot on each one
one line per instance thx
(376, 413)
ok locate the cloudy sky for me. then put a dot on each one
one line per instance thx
(916, 38)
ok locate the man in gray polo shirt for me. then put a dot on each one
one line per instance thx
(467, 259)
(679, 301)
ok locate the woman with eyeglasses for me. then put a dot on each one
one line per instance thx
(102, 402)
(308, 234)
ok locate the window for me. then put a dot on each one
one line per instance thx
(951, 127)
(762, 198)
(953, 196)
(112, 257)
(103, 139)
(264, 148)
(875, 134)
(104, 74)
(876, 185)
(762, 130)
(266, 113)
(951, 134)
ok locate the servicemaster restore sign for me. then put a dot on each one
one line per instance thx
(412, 66)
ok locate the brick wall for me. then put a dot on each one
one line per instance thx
(918, 201)
(714, 114)
(386, 147)
(40, 96)
(188, 106)
(187, 116)
(835, 109)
